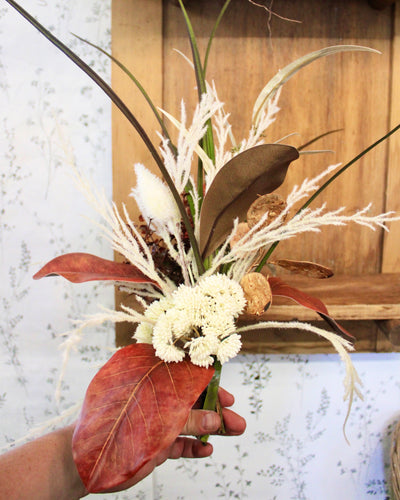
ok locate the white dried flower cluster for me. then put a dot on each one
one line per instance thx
(197, 320)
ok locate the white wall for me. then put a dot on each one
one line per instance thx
(49, 114)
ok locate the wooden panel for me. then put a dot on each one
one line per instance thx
(137, 30)
(354, 91)
(391, 253)
(137, 43)
(329, 94)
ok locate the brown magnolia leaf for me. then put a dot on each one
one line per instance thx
(271, 203)
(134, 408)
(305, 268)
(281, 289)
(254, 172)
(79, 267)
(257, 293)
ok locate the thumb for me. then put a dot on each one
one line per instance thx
(201, 422)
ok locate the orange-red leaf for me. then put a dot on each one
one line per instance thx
(80, 267)
(281, 289)
(134, 407)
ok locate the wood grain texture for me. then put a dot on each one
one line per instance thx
(327, 95)
(358, 92)
(391, 253)
(137, 43)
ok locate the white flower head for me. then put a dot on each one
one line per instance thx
(225, 294)
(158, 307)
(144, 333)
(199, 318)
(202, 349)
(155, 200)
(163, 341)
(229, 348)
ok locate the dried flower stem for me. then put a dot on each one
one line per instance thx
(210, 402)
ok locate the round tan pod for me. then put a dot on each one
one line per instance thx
(271, 203)
(257, 293)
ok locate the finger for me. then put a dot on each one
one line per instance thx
(225, 397)
(201, 422)
(234, 423)
(184, 447)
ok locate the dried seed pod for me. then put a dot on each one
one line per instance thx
(257, 293)
(310, 269)
(271, 203)
(242, 229)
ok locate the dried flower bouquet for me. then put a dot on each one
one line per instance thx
(195, 261)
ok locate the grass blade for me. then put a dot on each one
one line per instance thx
(138, 85)
(291, 69)
(210, 40)
(208, 140)
(127, 113)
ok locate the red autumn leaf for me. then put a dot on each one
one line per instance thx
(134, 408)
(80, 267)
(281, 289)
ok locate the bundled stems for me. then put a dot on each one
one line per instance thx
(211, 399)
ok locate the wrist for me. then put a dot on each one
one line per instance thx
(77, 488)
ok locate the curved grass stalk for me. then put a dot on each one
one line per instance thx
(210, 40)
(138, 85)
(127, 113)
(291, 69)
(315, 139)
(342, 346)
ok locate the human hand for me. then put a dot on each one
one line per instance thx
(200, 422)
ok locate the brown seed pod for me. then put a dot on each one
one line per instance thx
(272, 203)
(310, 269)
(257, 293)
(242, 229)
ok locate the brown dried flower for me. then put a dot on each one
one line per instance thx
(272, 203)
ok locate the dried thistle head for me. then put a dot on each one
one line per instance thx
(257, 292)
(271, 203)
(159, 252)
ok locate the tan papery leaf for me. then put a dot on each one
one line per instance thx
(256, 171)
(305, 268)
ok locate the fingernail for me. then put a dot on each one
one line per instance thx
(210, 421)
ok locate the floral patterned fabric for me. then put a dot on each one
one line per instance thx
(51, 117)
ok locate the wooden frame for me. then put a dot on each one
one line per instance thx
(356, 91)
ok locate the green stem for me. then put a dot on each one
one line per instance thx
(210, 40)
(325, 185)
(211, 398)
(207, 142)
